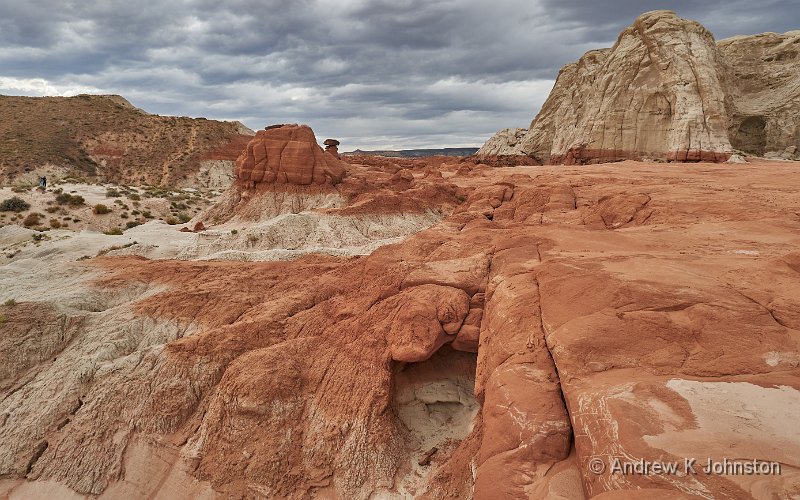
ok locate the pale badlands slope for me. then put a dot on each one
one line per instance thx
(626, 310)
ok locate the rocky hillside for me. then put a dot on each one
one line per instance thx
(106, 138)
(666, 91)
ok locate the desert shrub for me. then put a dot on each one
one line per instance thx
(51, 210)
(101, 209)
(112, 193)
(135, 197)
(147, 215)
(171, 221)
(2, 318)
(252, 238)
(123, 215)
(10, 303)
(135, 212)
(31, 220)
(114, 231)
(21, 189)
(184, 218)
(131, 223)
(234, 231)
(55, 223)
(39, 236)
(69, 199)
(14, 204)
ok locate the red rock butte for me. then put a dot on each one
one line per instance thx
(288, 154)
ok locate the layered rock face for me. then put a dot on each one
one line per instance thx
(765, 93)
(666, 91)
(284, 171)
(557, 321)
(288, 154)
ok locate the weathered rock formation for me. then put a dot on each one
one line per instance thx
(557, 317)
(284, 171)
(332, 147)
(288, 154)
(764, 71)
(666, 91)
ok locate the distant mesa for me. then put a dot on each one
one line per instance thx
(666, 91)
(415, 153)
(288, 154)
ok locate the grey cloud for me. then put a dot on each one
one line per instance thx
(377, 72)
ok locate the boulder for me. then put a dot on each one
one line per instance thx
(288, 154)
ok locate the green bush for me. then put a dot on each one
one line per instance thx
(14, 204)
(112, 193)
(101, 209)
(114, 231)
(10, 303)
(184, 218)
(131, 223)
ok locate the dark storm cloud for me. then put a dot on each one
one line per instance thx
(376, 73)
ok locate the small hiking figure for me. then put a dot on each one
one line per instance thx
(43, 183)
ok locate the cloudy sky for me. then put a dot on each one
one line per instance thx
(373, 73)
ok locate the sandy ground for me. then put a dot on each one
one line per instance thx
(123, 209)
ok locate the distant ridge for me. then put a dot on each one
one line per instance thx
(417, 153)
